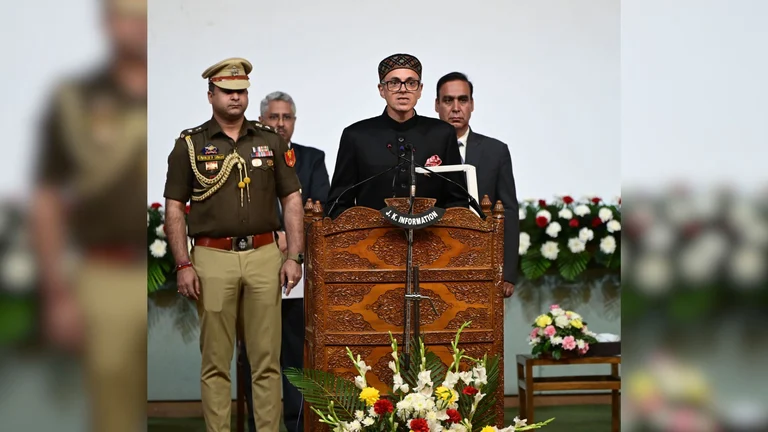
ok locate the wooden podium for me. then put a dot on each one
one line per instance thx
(355, 285)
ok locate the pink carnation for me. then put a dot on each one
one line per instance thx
(550, 331)
(585, 349)
(534, 333)
(554, 306)
(569, 343)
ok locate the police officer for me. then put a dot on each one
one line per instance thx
(234, 170)
(90, 197)
(372, 146)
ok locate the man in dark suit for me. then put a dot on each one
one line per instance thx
(278, 110)
(371, 146)
(454, 103)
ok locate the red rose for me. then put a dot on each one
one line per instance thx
(186, 209)
(469, 391)
(567, 199)
(453, 416)
(542, 203)
(419, 425)
(541, 221)
(596, 200)
(156, 205)
(596, 222)
(383, 406)
(573, 223)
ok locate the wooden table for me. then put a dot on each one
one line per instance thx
(527, 384)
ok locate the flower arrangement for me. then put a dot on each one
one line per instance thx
(160, 262)
(573, 235)
(459, 403)
(559, 332)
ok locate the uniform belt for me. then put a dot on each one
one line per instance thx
(115, 253)
(236, 243)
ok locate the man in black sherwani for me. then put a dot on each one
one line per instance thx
(370, 146)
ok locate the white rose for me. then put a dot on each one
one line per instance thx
(525, 243)
(613, 226)
(544, 213)
(576, 245)
(586, 234)
(608, 244)
(582, 210)
(562, 321)
(550, 250)
(553, 229)
(522, 213)
(158, 248)
(565, 213)
(605, 214)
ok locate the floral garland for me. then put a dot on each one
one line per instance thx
(573, 235)
(160, 262)
(461, 403)
(559, 332)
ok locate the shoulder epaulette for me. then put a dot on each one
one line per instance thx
(190, 132)
(262, 126)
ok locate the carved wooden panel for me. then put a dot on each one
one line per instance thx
(355, 283)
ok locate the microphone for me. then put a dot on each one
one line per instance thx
(472, 201)
(336, 201)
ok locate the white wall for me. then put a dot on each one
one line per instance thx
(546, 74)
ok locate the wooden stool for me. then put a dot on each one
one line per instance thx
(527, 384)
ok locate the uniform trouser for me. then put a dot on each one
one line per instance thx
(223, 275)
(115, 357)
(291, 356)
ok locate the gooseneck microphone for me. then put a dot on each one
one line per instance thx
(472, 201)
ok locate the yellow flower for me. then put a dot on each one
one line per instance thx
(446, 394)
(577, 323)
(543, 321)
(487, 429)
(369, 395)
(443, 393)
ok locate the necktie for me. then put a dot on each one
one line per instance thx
(461, 144)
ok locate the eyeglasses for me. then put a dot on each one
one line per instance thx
(396, 85)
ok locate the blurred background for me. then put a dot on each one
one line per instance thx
(72, 203)
(73, 330)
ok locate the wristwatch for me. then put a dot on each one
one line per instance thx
(299, 258)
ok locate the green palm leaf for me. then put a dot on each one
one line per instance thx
(485, 414)
(534, 265)
(319, 388)
(572, 264)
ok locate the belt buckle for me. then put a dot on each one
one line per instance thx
(242, 243)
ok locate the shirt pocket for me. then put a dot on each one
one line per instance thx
(262, 172)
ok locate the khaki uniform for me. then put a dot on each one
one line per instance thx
(234, 186)
(94, 147)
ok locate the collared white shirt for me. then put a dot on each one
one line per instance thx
(463, 145)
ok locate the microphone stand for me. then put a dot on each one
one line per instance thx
(410, 290)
